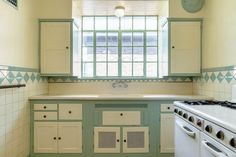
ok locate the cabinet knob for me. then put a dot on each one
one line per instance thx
(173, 47)
(70, 112)
(118, 140)
(124, 140)
(44, 107)
(121, 114)
(168, 108)
(59, 138)
(67, 47)
(44, 116)
(54, 138)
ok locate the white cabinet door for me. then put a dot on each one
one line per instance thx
(135, 139)
(107, 140)
(55, 47)
(167, 133)
(185, 44)
(69, 137)
(70, 111)
(45, 137)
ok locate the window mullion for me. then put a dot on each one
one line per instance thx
(119, 50)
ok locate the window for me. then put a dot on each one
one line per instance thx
(12, 2)
(119, 47)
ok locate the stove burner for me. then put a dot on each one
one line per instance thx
(212, 102)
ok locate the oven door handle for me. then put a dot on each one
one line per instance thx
(213, 150)
(188, 131)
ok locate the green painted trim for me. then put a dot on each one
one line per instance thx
(216, 69)
(184, 19)
(14, 68)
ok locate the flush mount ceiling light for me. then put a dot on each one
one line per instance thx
(119, 11)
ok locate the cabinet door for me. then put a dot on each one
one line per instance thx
(107, 140)
(135, 140)
(70, 111)
(55, 47)
(185, 45)
(45, 137)
(69, 137)
(167, 133)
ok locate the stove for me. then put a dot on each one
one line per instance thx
(211, 102)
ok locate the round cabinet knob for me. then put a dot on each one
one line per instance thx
(121, 114)
(191, 119)
(220, 135)
(117, 140)
(44, 107)
(124, 140)
(232, 142)
(69, 112)
(54, 138)
(185, 115)
(180, 113)
(175, 110)
(67, 47)
(208, 128)
(59, 138)
(44, 116)
(199, 122)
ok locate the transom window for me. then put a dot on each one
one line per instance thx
(119, 47)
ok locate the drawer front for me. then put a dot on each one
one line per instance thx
(167, 107)
(45, 115)
(70, 111)
(46, 107)
(121, 118)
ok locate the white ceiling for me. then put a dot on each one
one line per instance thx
(132, 7)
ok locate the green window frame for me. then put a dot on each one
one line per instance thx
(91, 56)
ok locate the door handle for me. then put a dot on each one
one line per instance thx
(188, 131)
(213, 150)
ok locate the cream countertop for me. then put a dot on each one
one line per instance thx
(119, 97)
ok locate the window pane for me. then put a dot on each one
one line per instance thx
(126, 39)
(151, 70)
(126, 69)
(138, 69)
(88, 69)
(127, 54)
(151, 53)
(101, 69)
(139, 23)
(151, 38)
(138, 39)
(113, 23)
(87, 38)
(112, 69)
(112, 53)
(88, 23)
(87, 53)
(100, 39)
(126, 23)
(151, 23)
(138, 53)
(100, 23)
(101, 54)
(112, 39)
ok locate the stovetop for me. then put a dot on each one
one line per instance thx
(212, 102)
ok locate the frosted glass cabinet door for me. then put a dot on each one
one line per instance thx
(107, 140)
(45, 137)
(135, 140)
(69, 137)
(55, 47)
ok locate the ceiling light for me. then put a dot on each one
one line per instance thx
(119, 11)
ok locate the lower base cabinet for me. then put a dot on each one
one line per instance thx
(108, 140)
(57, 137)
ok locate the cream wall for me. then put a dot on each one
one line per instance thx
(18, 34)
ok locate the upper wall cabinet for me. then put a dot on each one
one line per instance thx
(58, 47)
(180, 47)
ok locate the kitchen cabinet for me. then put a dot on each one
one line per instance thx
(180, 47)
(57, 137)
(58, 47)
(167, 129)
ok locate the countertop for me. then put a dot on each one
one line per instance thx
(120, 97)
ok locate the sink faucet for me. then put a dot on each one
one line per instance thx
(119, 84)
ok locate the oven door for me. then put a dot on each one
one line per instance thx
(187, 139)
(212, 148)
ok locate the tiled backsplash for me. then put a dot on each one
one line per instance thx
(216, 82)
(14, 109)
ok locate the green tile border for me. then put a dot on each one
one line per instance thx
(216, 69)
(14, 68)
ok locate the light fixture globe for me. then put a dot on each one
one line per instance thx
(119, 11)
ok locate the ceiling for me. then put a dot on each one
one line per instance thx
(132, 7)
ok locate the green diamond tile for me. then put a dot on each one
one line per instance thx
(26, 77)
(206, 77)
(38, 76)
(32, 77)
(10, 77)
(19, 77)
(220, 77)
(1, 80)
(228, 77)
(213, 77)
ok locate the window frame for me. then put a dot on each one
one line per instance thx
(119, 47)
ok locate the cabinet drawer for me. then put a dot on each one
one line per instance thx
(45, 115)
(121, 118)
(167, 107)
(45, 107)
(70, 111)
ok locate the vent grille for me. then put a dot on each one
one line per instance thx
(13, 2)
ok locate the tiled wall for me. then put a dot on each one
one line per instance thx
(216, 82)
(14, 109)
